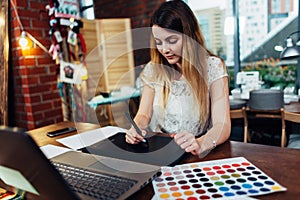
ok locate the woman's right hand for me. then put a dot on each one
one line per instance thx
(132, 137)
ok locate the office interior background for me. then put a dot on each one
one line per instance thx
(33, 98)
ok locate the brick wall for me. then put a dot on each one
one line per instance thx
(139, 11)
(36, 97)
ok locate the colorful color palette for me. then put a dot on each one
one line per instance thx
(233, 177)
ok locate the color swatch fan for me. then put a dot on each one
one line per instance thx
(233, 177)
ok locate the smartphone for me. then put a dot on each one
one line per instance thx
(60, 131)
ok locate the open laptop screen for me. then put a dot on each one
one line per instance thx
(19, 153)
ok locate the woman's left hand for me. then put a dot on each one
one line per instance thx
(188, 142)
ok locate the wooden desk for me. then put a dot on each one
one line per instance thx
(255, 120)
(281, 164)
(41, 138)
(292, 107)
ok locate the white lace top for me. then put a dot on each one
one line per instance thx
(180, 113)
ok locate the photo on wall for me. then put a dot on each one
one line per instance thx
(68, 9)
(70, 73)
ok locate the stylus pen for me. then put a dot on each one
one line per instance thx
(138, 130)
(165, 131)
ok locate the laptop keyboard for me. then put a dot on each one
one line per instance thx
(94, 184)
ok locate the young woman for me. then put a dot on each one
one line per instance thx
(185, 86)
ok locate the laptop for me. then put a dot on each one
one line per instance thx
(56, 178)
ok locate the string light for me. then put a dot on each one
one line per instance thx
(23, 40)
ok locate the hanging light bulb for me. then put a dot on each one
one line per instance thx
(23, 42)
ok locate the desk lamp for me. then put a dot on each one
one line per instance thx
(291, 50)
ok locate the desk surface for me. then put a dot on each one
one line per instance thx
(41, 138)
(291, 107)
(281, 164)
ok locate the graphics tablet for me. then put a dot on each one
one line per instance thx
(158, 150)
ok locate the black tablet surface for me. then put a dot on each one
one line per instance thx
(158, 150)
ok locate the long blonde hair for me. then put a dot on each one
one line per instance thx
(177, 16)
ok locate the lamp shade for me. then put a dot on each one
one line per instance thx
(291, 51)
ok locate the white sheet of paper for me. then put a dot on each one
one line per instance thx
(51, 151)
(87, 138)
(15, 179)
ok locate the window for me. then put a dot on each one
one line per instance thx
(276, 5)
(259, 22)
(259, 17)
